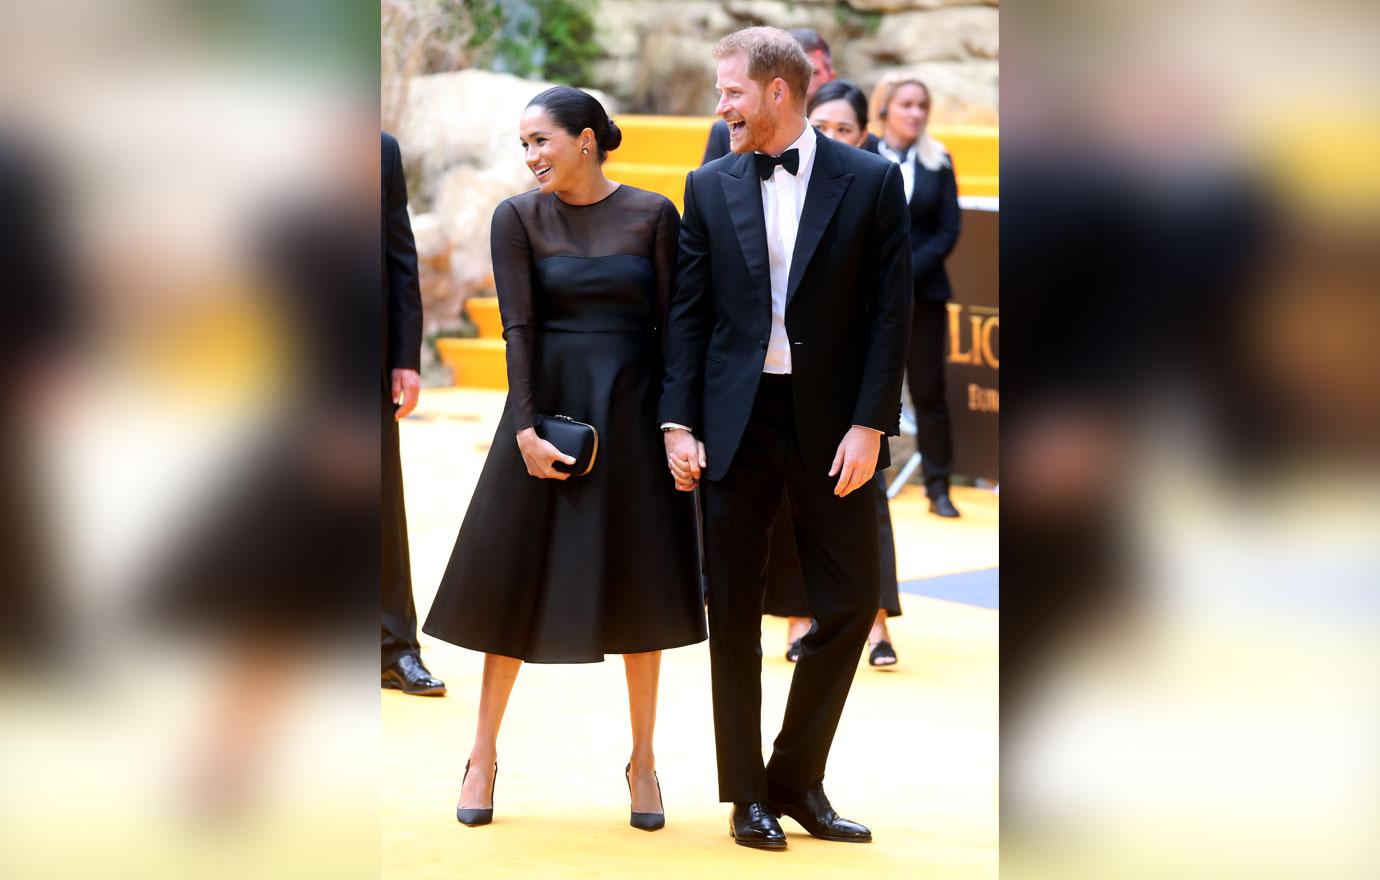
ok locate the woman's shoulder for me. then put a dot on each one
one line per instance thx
(645, 199)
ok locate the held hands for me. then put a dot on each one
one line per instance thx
(539, 456)
(406, 385)
(856, 459)
(685, 458)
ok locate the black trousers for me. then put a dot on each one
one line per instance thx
(837, 542)
(395, 570)
(925, 368)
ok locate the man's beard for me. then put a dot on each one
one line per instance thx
(759, 131)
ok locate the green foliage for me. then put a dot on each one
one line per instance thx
(547, 39)
(857, 23)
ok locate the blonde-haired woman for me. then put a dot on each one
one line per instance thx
(903, 110)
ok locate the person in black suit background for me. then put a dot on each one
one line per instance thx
(786, 344)
(822, 71)
(838, 110)
(903, 104)
(400, 383)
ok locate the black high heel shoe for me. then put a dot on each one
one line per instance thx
(646, 821)
(477, 817)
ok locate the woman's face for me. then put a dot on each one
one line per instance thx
(553, 155)
(907, 113)
(838, 121)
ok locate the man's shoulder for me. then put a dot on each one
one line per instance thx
(712, 168)
(857, 160)
(389, 144)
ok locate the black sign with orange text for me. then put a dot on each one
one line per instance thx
(974, 355)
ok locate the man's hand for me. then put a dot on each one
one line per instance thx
(407, 384)
(684, 457)
(856, 459)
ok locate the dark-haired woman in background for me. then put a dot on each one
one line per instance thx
(903, 103)
(550, 567)
(839, 111)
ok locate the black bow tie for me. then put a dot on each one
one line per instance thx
(766, 165)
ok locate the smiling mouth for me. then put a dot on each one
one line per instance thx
(736, 125)
(542, 171)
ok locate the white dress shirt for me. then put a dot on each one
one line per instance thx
(783, 200)
(907, 163)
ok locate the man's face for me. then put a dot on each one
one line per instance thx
(824, 71)
(747, 106)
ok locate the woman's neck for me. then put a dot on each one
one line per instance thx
(896, 143)
(594, 187)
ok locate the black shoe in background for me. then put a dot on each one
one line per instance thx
(940, 505)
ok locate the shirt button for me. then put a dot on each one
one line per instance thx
(762, 343)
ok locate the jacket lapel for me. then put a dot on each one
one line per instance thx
(743, 193)
(828, 183)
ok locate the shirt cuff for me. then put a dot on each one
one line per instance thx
(874, 430)
(671, 426)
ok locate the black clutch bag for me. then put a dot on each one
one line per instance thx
(576, 439)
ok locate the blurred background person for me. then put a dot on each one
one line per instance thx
(903, 106)
(822, 63)
(402, 381)
(839, 110)
(37, 320)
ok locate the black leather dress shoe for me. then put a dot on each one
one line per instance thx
(815, 815)
(940, 505)
(411, 677)
(753, 825)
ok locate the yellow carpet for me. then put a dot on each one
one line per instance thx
(915, 757)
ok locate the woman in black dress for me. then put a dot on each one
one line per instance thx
(550, 567)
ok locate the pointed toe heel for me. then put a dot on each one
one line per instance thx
(473, 817)
(645, 821)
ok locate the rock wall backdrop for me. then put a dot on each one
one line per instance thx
(455, 73)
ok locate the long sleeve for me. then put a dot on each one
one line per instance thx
(512, 257)
(404, 292)
(930, 253)
(665, 251)
(688, 321)
(891, 289)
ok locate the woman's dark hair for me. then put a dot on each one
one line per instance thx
(841, 89)
(574, 111)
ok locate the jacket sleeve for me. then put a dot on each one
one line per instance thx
(688, 321)
(929, 254)
(400, 256)
(890, 291)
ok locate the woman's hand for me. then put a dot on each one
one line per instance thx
(539, 456)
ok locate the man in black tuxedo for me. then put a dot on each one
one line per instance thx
(786, 343)
(822, 65)
(399, 384)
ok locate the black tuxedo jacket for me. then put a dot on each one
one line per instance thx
(935, 221)
(402, 297)
(848, 304)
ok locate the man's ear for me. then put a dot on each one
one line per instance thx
(778, 90)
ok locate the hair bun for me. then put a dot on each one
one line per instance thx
(612, 137)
